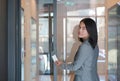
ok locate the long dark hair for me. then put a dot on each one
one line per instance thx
(92, 31)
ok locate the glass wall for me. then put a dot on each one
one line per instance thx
(46, 34)
(33, 48)
(38, 36)
(114, 43)
(29, 42)
(69, 14)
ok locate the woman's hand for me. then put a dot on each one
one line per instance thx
(58, 63)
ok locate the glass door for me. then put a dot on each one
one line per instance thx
(38, 40)
(50, 27)
(114, 43)
(69, 14)
(45, 43)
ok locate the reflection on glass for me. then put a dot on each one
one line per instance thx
(33, 48)
(43, 64)
(114, 44)
(73, 14)
(82, 12)
(72, 11)
(72, 27)
(43, 35)
(45, 38)
(101, 26)
(44, 54)
(100, 11)
(22, 45)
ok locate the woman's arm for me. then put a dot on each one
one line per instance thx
(83, 53)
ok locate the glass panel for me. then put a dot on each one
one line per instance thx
(100, 11)
(114, 44)
(37, 39)
(69, 14)
(72, 38)
(33, 49)
(73, 43)
(45, 37)
(82, 12)
(38, 36)
(44, 46)
(29, 36)
(102, 53)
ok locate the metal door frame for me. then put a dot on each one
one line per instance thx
(14, 40)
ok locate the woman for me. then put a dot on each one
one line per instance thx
(85, 60)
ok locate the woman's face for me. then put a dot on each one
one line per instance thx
(82, 33)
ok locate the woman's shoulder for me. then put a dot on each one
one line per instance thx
(86, 44)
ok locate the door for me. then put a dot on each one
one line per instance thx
(50, 27)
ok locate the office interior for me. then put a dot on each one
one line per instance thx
(31, 31)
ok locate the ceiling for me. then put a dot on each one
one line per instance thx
(73, 2)
(72, 5)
